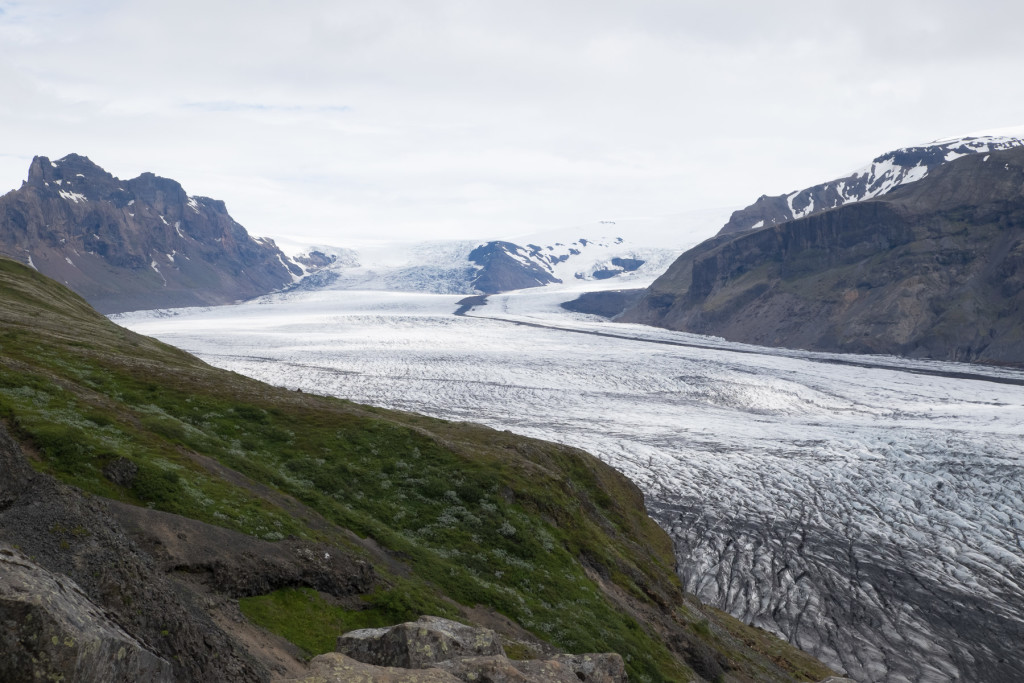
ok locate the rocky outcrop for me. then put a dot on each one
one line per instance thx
(934, 269)
(595, 668)
(335, 667)
(134, 244)
(107, 577)
(74, 538)
(50, 630)
(433, 649)
(238, 565)
(415, 645)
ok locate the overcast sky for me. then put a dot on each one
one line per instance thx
(336, 120)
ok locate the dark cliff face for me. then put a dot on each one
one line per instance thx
(933, 269)
(134, 244)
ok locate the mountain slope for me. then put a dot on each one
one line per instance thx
(321, 511)
(134, 244)
(932, 269)
(884, 174)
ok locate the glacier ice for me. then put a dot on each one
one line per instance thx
(870, 510)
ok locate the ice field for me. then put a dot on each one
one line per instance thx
(869, 509)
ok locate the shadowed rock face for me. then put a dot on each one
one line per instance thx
(51, 630)
(107, 577)
(134, 244)
(934, 269)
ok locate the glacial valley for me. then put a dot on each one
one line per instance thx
(870, 509)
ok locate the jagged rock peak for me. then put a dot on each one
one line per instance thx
(71, 168)
(138, 243)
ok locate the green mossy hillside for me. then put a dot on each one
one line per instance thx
(544, 534)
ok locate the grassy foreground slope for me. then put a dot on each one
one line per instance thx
(462, 520)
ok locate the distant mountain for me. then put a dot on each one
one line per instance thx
(134, 244)
(468, 267)
(884, 174)
(932, 268)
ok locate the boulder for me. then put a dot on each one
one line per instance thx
(418, 644)
(50, 630)
(593, 668)
(335, 667)
(462, 653)
(494, 669)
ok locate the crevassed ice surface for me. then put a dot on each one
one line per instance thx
(871, 513)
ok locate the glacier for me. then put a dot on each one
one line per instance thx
(868, 509)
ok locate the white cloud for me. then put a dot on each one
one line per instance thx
(472, 118)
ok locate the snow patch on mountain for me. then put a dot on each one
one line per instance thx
(883, 175)
(627, 253)
(73, 196)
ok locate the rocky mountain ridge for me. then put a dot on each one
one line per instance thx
(145, 243)
(884, 174)
(932, 269)
(134, 244)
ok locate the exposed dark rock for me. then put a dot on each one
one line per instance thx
(593, 668)
(74, 537)
(335, 667)
(238, 565)
(505, 266)
(469, 303)
(316, 259)
(606, 304)
(618, 267)
(49, 630)
(133, 244)
(627, 264)
(934, 269)
(156, 574)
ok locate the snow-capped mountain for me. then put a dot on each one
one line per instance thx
(932, 269)
(627, 253)
(884, 174)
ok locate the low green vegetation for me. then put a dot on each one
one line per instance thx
(529, 529)
(309, 620)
